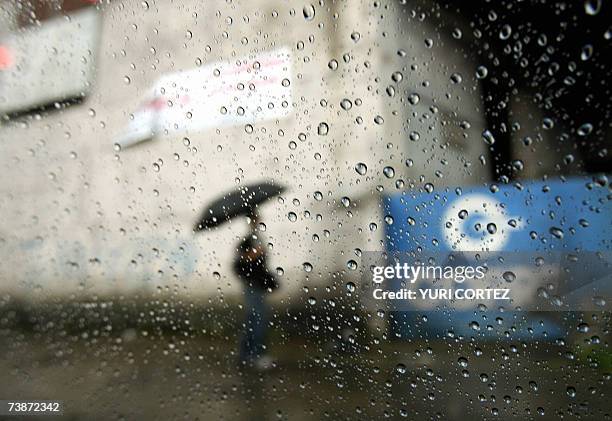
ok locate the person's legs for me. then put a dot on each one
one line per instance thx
(252, 345)
(260, 325)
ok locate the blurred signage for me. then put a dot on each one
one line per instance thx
(548, 243)
(224, 93)
(52, 62)
(555, 215)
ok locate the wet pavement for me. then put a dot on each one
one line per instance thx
(140, 375)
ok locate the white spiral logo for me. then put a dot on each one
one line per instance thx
(480, 209)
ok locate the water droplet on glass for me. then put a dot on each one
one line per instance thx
(592, 7)
(585, 129)
(361, 168)
(548, 123)
(400, 368)
(505, 32)
(481, 72)
(491, 228)
(586, 53)
(556, 232)
(389, 172)
(509, 276)
(309, 12)
(346, 104)
(488, 137)
(322, 129)
(518, 165)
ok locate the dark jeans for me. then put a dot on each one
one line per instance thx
(252, 345)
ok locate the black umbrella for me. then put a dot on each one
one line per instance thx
(238, 202)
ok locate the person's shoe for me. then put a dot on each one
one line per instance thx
(263, 363)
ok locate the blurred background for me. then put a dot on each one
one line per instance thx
(121, 121)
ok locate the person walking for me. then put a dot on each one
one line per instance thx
(251, 267)
(250, 263)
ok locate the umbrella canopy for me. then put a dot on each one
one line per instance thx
(238, 202)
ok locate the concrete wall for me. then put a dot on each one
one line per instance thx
(80, 218)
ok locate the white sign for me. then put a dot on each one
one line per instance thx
(51, 62)
(227, 93)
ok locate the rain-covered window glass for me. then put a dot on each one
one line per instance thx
(311, 210)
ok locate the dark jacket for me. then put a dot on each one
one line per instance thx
(254, 271)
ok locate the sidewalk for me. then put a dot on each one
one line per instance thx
(162, 377)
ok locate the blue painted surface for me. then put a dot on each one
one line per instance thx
(571, 215)
(582, 210)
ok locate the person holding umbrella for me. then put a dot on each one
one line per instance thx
(250, 265)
